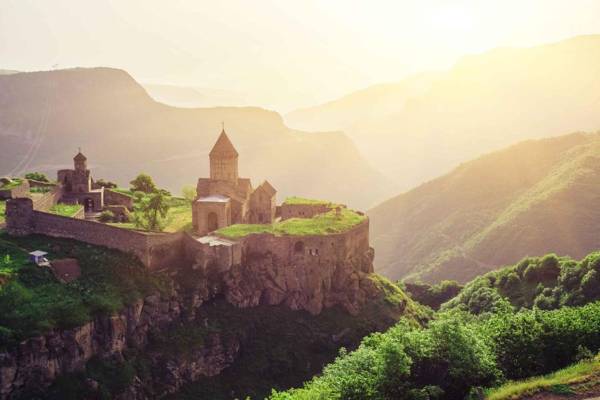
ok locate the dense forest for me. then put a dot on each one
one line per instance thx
(526, 320)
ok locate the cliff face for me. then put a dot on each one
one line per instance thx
(37, 362)
(340, 274)
(310, 287)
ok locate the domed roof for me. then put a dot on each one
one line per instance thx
(223, 147)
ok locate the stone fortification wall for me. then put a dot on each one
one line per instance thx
(34, 183)
(303, 210)
(304, 272)
(20, 191)
(48, 199)
(155, 250)
(117, 199)
(210, 255)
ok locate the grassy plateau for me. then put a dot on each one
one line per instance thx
(322, 224)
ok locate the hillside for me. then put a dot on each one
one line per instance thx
(532, 198)
(45, 116)
(485, 102)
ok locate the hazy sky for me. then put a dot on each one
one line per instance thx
(279, 54)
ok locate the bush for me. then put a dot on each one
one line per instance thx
(36, 176)
(106, 216)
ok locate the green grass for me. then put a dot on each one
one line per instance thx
(33, 302)
(321, 224)
(558, 382)
(40, 189)
(2, 211)
(178, 219)
(302, 201)
(16, 182)
(66, 210)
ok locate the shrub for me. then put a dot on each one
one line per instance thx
(36, 176)
(106, 216)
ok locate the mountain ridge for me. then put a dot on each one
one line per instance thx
(531, 198)
(46, 116)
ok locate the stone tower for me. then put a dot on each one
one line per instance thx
(80, 162)
(224, 160)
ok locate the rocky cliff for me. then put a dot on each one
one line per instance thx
(180, 338)
(37, 362)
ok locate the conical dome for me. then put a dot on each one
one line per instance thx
(223, 147)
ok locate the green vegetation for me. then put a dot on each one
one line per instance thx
(106, 216)
(66, 210)
(40, 189)
(432, 295)
(177, 218)
(2, 211)
(188, 192)
(33, 302)
(302, 201)
(143, 183)
(37, 176)
(456, 353)
(16, 182)
(321, 224)
(566, 381)
(547, 282)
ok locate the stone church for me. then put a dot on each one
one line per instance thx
(225, 198)
(78, 186)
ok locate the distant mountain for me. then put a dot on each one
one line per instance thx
(416, 132)
(46, 116)
(376, 101)
(530, 199)
(182, 96)
(7, 72)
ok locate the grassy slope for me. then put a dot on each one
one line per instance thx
(321, 224)
(32, 301)
(66, 210)
(529, 199)
(578, 378)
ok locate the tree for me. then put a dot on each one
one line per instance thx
(143, 183)
(151, 210)
(36, 176)
(189, 193)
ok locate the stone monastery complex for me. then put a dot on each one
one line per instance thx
(306, 254)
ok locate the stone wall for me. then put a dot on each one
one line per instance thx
(303, 210)
(20, 191)
(34, 183)
(155, 250)
(45, 201)
(304, 273)
(117, 199)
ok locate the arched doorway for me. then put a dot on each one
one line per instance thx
(212, 221)
(88, 204)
